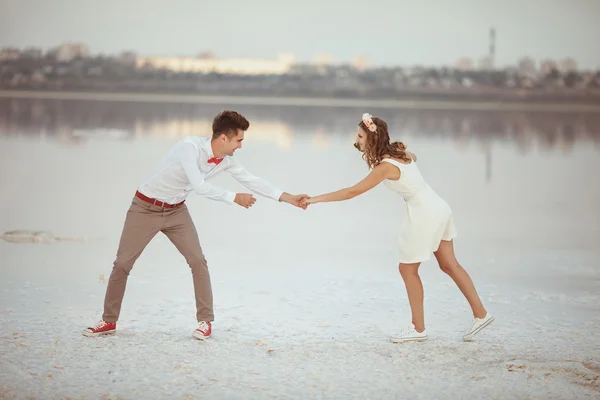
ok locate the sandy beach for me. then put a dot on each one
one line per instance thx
(305, 301)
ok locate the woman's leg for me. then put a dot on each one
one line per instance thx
(414, 289)
(448, 263)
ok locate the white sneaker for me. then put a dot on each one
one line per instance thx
(478, 325)
(410, 335)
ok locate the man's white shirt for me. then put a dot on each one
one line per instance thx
(185, 169)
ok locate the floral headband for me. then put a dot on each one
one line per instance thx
(367, 119)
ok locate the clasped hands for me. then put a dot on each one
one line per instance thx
(302, 201)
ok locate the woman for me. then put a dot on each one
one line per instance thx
(427, 224)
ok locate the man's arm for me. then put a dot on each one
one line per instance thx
(187, 154)
(261, 186)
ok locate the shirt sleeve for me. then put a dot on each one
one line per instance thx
(252, 182)
(188, 154)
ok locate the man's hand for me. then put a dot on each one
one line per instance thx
(306, 201)
(244, 199)
(295, 200)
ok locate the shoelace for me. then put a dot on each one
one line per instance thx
(475, 322)
(101, 324)
(409, 331)
(202, 326)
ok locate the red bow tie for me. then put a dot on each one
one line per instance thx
(215, 160)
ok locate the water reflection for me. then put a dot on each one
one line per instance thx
(76, 122)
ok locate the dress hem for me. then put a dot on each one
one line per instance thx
(420, 260)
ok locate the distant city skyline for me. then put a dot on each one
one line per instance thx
(429, 33)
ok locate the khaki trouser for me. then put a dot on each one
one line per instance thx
(143, 222)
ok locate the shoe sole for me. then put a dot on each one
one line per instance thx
(200, 336)
(96, 334)
(469, 336)
(419, 339)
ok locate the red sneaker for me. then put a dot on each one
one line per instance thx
(203, 330)
(101, 328)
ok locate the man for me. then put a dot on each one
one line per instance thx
(158, 206)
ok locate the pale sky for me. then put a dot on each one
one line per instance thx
(388, 32)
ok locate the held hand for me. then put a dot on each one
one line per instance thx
(298, 201)
(245, 200)
(308, 200)
(295, 200)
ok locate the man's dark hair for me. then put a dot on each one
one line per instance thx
(228, 122)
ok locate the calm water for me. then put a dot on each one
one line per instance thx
(524, 187)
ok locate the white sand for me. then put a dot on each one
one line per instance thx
(304, 301)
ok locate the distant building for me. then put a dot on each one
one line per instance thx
(128, 57)
(69, 51)
(547, 66)
(204, 64)
(567, 65)
(323, 59)
(464, 64)
(207, 55)
(527, 67)
(361, 63)
(9, 53)
(486, 63)
(33, 52)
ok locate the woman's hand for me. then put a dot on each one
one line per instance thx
(308, 200)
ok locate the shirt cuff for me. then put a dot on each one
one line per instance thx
(277, 194)
(229, 197)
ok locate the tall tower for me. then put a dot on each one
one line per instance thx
(493, 46)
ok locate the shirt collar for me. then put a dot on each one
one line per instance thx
(209, 151)
(208, 148)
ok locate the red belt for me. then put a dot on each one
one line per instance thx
(156, 202)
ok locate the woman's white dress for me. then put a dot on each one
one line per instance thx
(427, 218)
